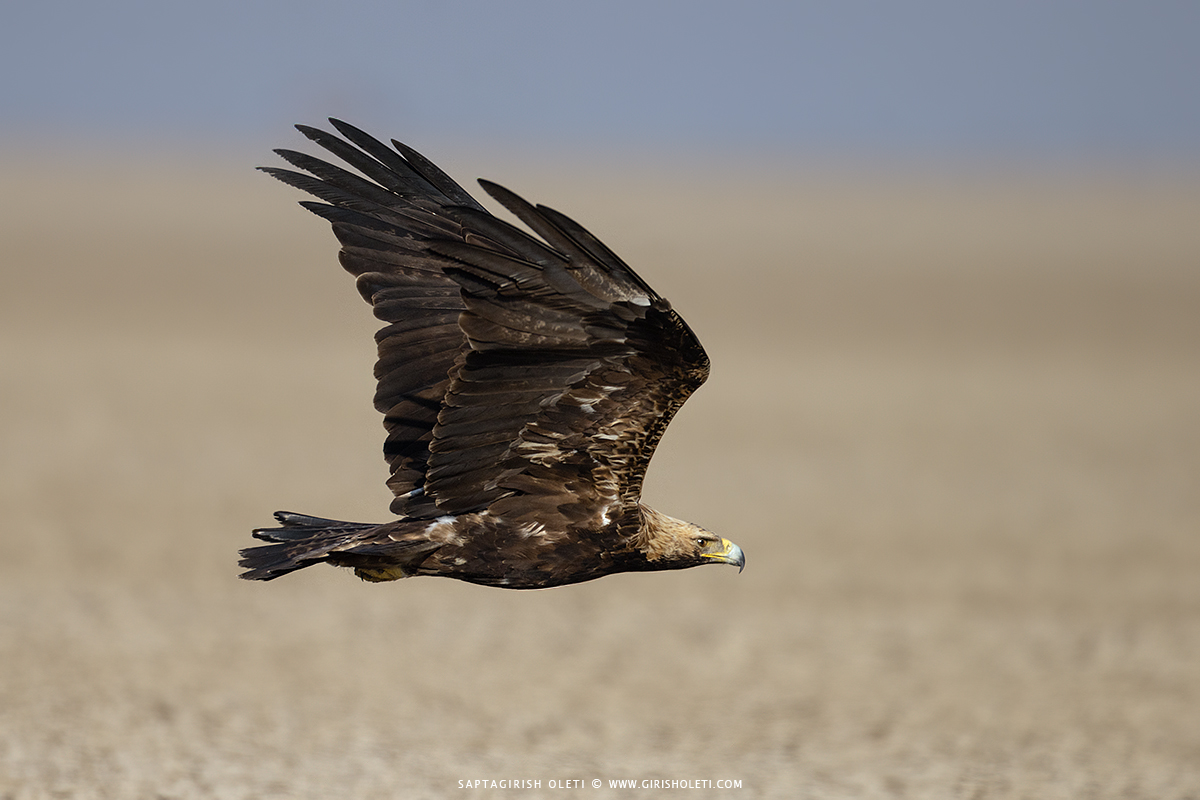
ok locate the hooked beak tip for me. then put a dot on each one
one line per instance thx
(730, 554)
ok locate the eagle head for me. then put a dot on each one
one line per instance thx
(669, 543)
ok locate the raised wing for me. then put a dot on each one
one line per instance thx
(385, 225)
(531, 376)
(576, 366)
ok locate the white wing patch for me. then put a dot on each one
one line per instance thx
(530, 529)
(544, 453)
(444, 529)
(439, 522)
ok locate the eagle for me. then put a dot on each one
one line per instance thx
(524, 380)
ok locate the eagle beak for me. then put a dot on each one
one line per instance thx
(729, 553)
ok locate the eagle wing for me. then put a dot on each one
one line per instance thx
(530, 376)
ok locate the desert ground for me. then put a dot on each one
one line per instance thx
(953, 421)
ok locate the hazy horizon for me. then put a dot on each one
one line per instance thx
(928, 81)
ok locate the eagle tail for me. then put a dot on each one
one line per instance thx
(301, 542)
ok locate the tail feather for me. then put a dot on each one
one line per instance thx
(302, 526)
(301, 542)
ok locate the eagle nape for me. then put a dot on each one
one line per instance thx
(525, 380)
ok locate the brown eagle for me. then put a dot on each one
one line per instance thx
(524, 384)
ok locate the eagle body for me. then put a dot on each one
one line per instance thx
(525, 382)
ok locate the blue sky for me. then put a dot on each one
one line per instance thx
(904, 79)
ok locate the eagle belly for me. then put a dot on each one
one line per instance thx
(485, 549)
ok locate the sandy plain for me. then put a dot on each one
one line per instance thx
(953, 420)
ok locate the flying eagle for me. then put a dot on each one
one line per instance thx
(524, 384)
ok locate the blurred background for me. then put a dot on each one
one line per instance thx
(1060, 81)
(945, 258)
